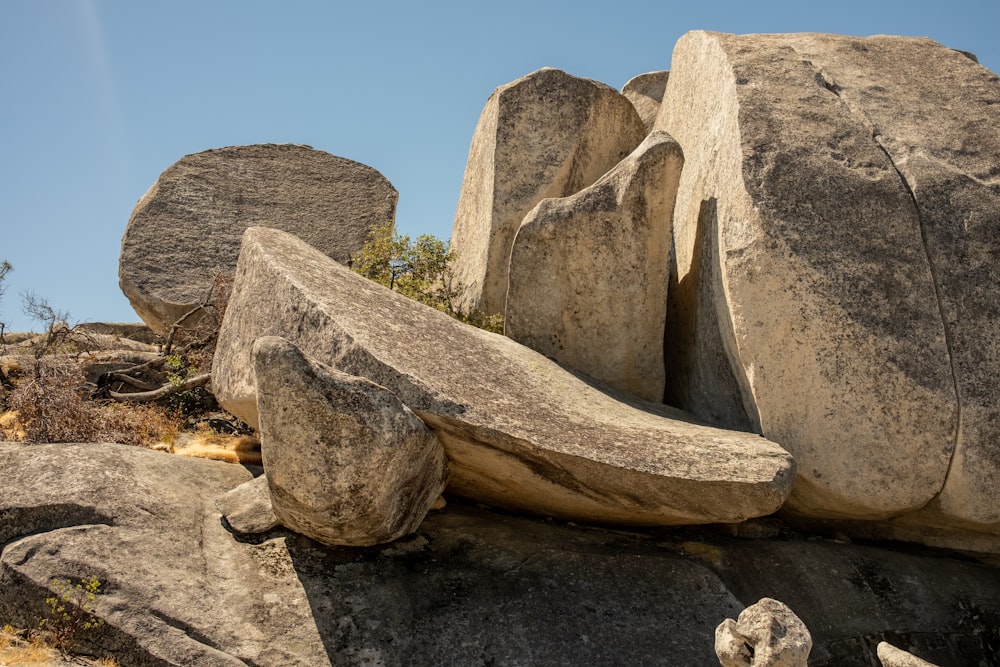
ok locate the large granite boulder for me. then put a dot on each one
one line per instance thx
(839, 206)
(187, 228)
(588, 272)
(347, 463)
(519, 430)
(548, 134)
(645, 92)
(470, 587)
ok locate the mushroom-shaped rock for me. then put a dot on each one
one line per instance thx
(839, 202)
(519, 430)
(766, 634)
(187, 228)
(548, 134)
(588, 272)
(346, 462)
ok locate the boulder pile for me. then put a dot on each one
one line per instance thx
(519, 431)
(759, 292)
(832, 281)
(763, 280)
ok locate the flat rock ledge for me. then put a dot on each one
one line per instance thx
(470, 587)
(520, 431)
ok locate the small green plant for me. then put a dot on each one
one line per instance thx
(420, 270)
(70, 612)
(184, 401)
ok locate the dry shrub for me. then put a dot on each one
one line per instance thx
(23, 647)
(52, 406)
(141, 425)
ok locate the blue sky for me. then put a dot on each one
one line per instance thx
(100, 96)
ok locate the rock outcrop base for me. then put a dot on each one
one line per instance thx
(469, 587)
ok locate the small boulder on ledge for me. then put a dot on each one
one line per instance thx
(347, 464)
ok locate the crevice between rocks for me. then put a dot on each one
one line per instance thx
(825, 80)
(199, 639)
(948, 343)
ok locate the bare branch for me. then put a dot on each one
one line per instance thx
(178, 325)
(131, 381)
(164, 391)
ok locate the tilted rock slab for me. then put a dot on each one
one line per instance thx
(519, 430)
(347, 463)
(188, 226)
(588, 272)
(840, 198)
(548, 134)
(645, 92)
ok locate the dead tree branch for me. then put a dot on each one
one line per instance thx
(164, 391)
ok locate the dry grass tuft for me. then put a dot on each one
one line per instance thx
(21, 648)
(206, 444)
(10, 427)
(17, 647)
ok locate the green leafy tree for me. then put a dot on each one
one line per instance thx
(420, 270)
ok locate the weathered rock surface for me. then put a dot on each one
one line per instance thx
(347, 463)
(470, 587)
(935, 113)
(548, 134)
(838, 205)
(188, 226)
(766, 634)
(890, 656)
(177, 588)
(731, 647)
(519, 430)
(588, 272)
(645, 92)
